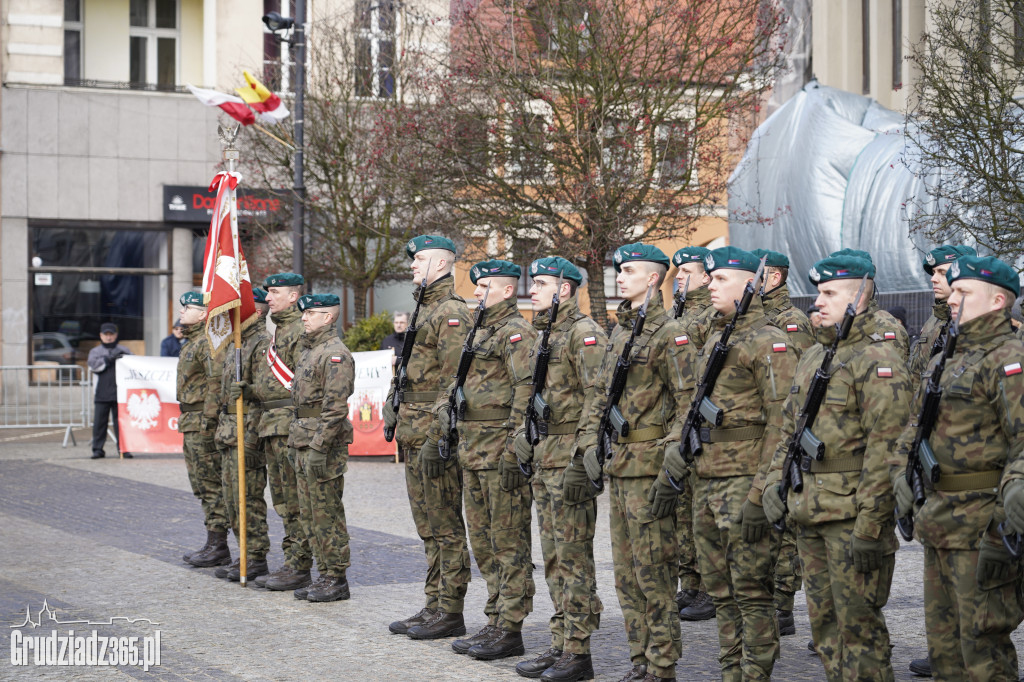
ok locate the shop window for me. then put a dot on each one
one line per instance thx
(153, 43)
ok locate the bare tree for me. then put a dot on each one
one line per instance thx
(967, 123)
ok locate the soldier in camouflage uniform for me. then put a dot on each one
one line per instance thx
(272, 374)
(496, 494)
(782, 315)
(972, 594)
(844, 514)
(735, 549)
(645, 540)
(435, 501)
(201, 457)
(320, 436)
(696, 316)
(887, 327)
(936, 263)
(577, 347)
(257, 533)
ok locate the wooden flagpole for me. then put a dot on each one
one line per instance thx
(240, 435)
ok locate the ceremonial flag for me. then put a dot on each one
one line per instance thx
(267, 105)
(233, 106)
(226, 283)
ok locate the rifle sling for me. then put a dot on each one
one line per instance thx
(730, 435)
(838, 465)
(642, 435)
(274, 404)
(191, 407)
(487, 415)
(976, 480)
(305, 412)
(419, 396)
(562, 429)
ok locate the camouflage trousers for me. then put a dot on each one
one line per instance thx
(203, 466)
(436, 505)
(284, 494)
(787, 571)
(257, 537)
(845, 606)
(322, 513)
(969, 628)
(645, 555)
(739, 576)
(499, 533)
(689, 574)
(567, 541)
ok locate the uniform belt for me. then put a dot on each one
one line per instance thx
(487, 415)
(233, 408)
(304, 412)
(191, 407)
(419, 396)
(562, 429)
(729, 435)
(642, 435)
(837, 465)
(976, 480)
(274, 404)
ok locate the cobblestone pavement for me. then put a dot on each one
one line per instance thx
(101, 539)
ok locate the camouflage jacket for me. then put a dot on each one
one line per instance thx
(497, 387)
(697, 316)
(324, 380)
(577, 346)
(441, 328)
(227, 434)
(865, 408)
(275, 421)
(980, 427)
(888, 328)
(750, 389)
(193, 383)
(782, 314)
(921, 352)
(657, 394)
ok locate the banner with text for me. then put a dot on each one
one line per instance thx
(147, 411)
(365, 405)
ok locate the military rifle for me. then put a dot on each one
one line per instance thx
(537, 410)
(701, 407)
(402, 375)
(457, 397)
(612, 420)
(921, 460)
(681, 303)
(803, 445)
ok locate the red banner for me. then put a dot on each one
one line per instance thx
(147, 412)
(373, 379)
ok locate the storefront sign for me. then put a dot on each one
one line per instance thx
(195, 204)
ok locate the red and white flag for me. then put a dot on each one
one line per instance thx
(226, 283)
(266, 104)
(233, 106)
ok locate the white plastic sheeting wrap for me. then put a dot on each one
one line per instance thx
(826, 172)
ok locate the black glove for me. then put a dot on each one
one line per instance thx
(430, 460)
(576, 485)
(663, 497)
(753, 522)
(511, 476)
(995, 564)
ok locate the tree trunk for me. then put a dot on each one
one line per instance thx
(595, 287)
(359, 292)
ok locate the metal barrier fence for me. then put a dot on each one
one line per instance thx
(38, 396)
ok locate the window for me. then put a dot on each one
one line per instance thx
(469, 136)
(375, 48)
(673, 160)
(277, 65)
(72, 40)
(620, 148)
(526, 145)
(897, 44)
(153, 43)
(865, 45)
(572, 23)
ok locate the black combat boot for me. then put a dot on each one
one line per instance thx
(504, 645)
(684, 598)
(569, 668)
(922, 667)
(333, 588)
(223, 571)
(401, 627)
(636, 673)
(787, 625)
(442, 624)
(534, 667)
(461, 646)
(216, 552)
(254, 567)
(286, 578)
(702, 608)
(303, 592)
(187, 555)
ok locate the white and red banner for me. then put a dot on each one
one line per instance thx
(365, 405)
(147, 411)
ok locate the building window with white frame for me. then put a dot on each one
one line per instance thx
(375, 31)
(526, 143)
(72, 40)
(673, 157)
(153, 43)
(277, 63)
(621, 144)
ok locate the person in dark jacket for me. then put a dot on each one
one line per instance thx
(171, 346)
(102, 359)
(397, 340)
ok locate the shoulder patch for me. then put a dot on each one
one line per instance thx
(1011, 369)
(682, 340)
(794, 389)
(779, 347)
(792, 327)
(890, 336)
(453, 322)
(884, 372)
(589, 340)
(335, 358)
(515, 338)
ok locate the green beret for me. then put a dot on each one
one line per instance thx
(494, 268)
(310, 301)
(944, 255)
(555, 265)
(690, 254)
(259, 295)
(987, 269)
(731, 258)
(192, 298)
(428, 241)
(840, 267)
(284, 279)
(856, 253)
(637, 252)
(775, 259)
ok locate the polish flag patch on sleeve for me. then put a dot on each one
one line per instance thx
(515, 338)
(335, 358)
(885, 372)
(682, 340)
(890, 336)
(792, 328)
(590, 341)
(453, 322)
(1010, 370)
(779, 348)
